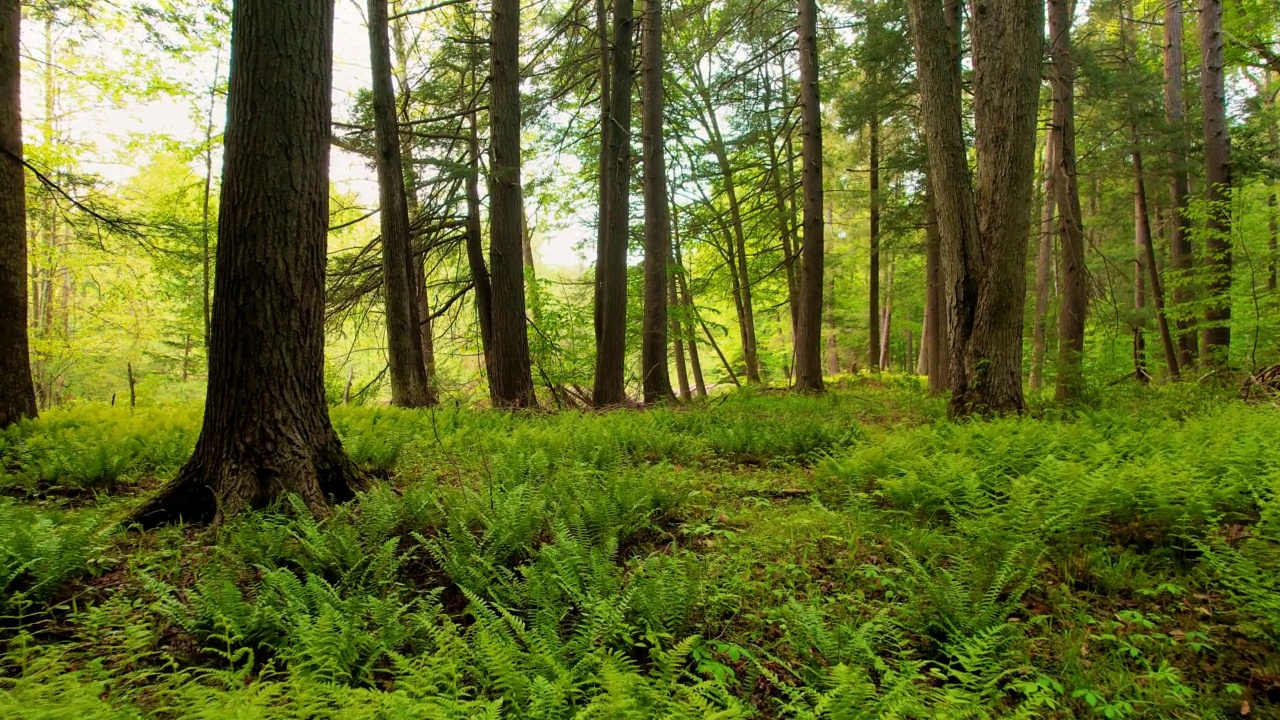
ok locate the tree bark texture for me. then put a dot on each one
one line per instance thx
(1217, 175)
(1147, 258)
(874, 320)
(611, 261)
(266, 429)
(475, 251)
(809, 318)
(1075, 300)
(17, 393)
(1044, 261)
(510, 374)
(409, 386)
(983, 228)
(656, 381)
(939, 352)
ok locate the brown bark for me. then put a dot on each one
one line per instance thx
(1217, 160)
(17, 394)
(1141, 228)
(677, 337)
(266, 429)
(785, 219)
(1180, 250)
(691, 335)
(1075, 300)
(1143, 238)
(409, 386)
(1273, 201)
(206, 249)
(1044, 261)
(510, 374)
(809, 325)
(475, 248)
(833, 344)
(983, 228)
(886, 319)
(939, 350)
(656, 381)
(611, 260)
(874, 359)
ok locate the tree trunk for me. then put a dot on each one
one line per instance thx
(1139, 288)
(17, 394)
(1044, 261)
(206, 255)
(611, 262)
(1180, 251)
(409, 387)
(984, 229)
(786, 226)
(809, 325)
(1142, 232)
(482, 287)
(833, 344)
(657, 217)
(874, 320)
(1075, 299)
(939, 352)
(691, 334)
(886, 318)
(266, 429)
(1217, 160)
(510, 376)
(1273, 202)
(677, 337)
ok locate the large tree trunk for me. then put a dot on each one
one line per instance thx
(266, 428)
(409, 386)
(1217, 175)
(874, 320)
(809, 325)
(17, 394)
(657, 217)
(1044, 260)
(1180, 251)
(1075, 300)
(611, 261)
(510, 376)
(939, 352)
(984, 230)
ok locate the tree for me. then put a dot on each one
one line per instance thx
(510, 376)
(1075, 299)
(809, 318)
(17, 393)
(657, 217)
(266, 429)
(409, 384)
(1217, 176)
(1180, 251)
(611, 261)
(984, 227)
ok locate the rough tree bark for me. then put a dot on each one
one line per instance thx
(510, 375)
(266, 429)
(874, 321)
(939, 352)
(1217, 175)
(611, 259)
(17, 393)
(984, 229)
(1273, 201)
(1075, 299)
(1180, 251)
(657, 217)
(809, 318)
(1140, 228)
(409, 386)
(1044, 260)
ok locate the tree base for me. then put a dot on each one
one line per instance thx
(217, 483)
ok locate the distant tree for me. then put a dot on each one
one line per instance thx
(17, 393)
(266, 428)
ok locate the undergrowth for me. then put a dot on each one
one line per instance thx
(850, 556)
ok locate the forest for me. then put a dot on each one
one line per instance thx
(457, 359)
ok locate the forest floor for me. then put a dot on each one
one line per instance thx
(760, 555)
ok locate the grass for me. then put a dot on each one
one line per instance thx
(763, 556)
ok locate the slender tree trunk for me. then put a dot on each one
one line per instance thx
(266, 428)
(833, 344)
(983, 229)
(409, 386)
(657, 217)
(510, 375)
(1142, 227)
(611, 263)
(691, 334)
(1044, 261)
(1217, 159)
(886, 318)
(206, 255)
(1180, 250)
(786, 228)
(17, 394)
(1273, 202)
(483, 289)
(939, 352)
(874, 320)
(677, 336)
(1075, 299)
(809, 325)
(1139, 287)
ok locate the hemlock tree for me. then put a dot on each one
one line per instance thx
(266, 428)
(1217, 177)
(1180, 250)
(657, 217)
(17, 393)
(983, 225)
(510, 376)
(410, 386)
(809, 318)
